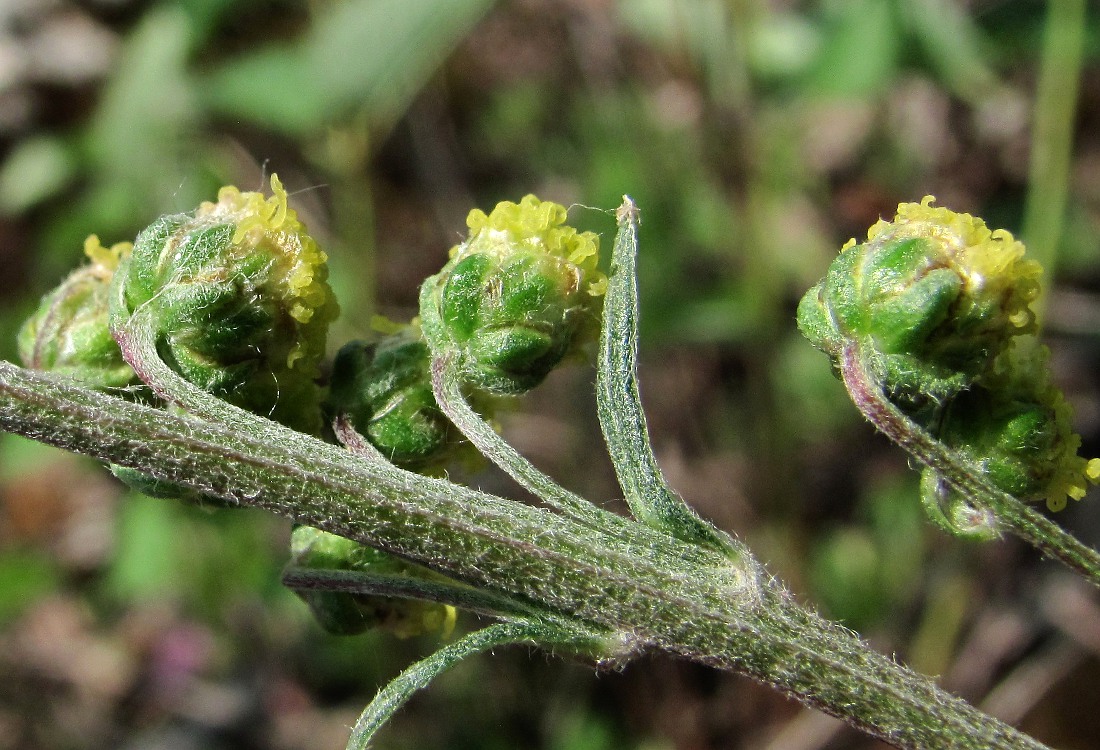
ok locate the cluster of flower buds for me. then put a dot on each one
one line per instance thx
(938, 308)
(516, 297)
(236, 295)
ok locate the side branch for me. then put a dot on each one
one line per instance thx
(728, 618)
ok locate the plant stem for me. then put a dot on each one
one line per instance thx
(448, 394)
(731, 618)
(447, 389)
(1021, 519)
(406, 587)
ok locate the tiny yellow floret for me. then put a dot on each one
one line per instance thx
(268, 224)
(1074, 474)
(538, 225)
(105, 260)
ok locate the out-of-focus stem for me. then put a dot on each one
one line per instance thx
(1052, 135)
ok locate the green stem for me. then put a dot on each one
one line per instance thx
(447, 388)
(1052, 135)
(619, 404)
(1021, 519)
(731, 618)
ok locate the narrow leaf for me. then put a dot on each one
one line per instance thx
(406, 587)
(419, 675)
(620, 408)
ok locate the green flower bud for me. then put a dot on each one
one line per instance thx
(516, 297)
(1008, 440)
(70, 333)
(937, 295)
(385, 389)
(952, 513)
(1017, 427)
(348, 614)
(239, 295)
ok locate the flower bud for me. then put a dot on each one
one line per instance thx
(950, 510)
(385, 389)
(239, 295)
(70, 333)
(344, 613)
(516, 297)
(937, 295)
(1017, 427)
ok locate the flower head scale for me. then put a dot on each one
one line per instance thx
(517, 296)
(239, 294)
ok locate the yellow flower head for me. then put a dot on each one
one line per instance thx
(535, 225)
(990, 262)
(69, 333)
(240, 292)
(1071, 474)
(269, 225)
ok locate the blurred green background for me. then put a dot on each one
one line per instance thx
(755, 136)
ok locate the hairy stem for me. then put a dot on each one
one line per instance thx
(402, 586)
(419, 675)
(731, 618)
(447, 388)
(448, 394)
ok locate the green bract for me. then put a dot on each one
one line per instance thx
(385, 389)
(515, 297)
(348, 614)
(69, 333)
(239, 296)
(938, 295)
